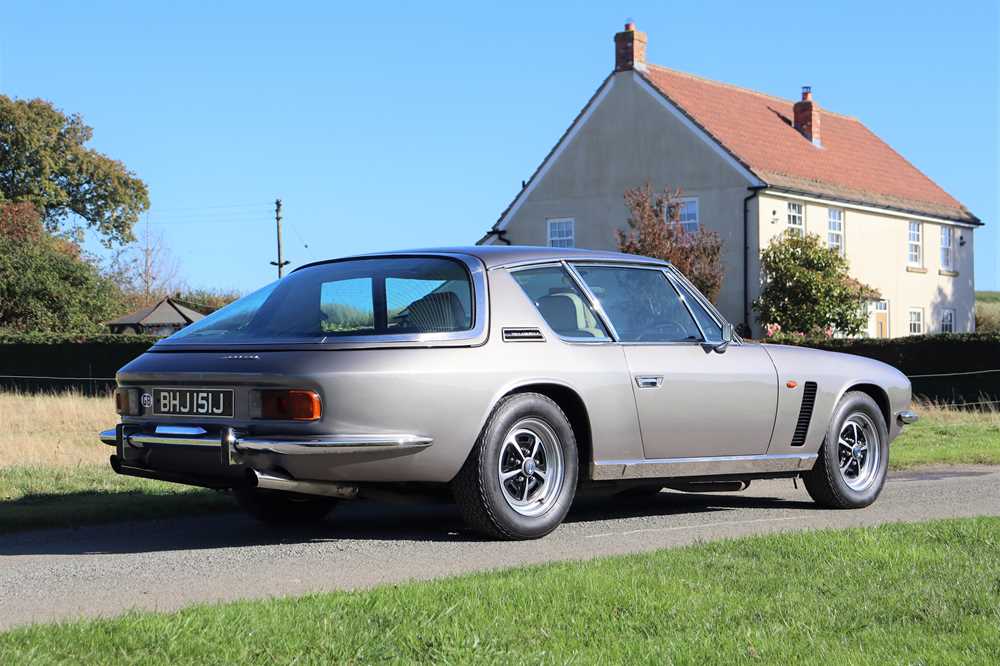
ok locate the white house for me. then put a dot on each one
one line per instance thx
(751, 166)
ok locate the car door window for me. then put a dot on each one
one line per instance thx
(641, 303)
(563, 307)
(711, 328)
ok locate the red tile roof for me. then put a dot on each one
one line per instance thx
(852, 165)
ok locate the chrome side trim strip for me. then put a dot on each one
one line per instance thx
(274, 444)
(604, 470)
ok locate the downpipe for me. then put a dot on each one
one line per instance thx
(271, 481)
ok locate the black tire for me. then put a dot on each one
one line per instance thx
(825, 482)
(477, 487)
(280, 509)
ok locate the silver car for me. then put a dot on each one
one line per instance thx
(507, 377)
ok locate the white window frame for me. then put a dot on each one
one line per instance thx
(835, 216)
(915, 326)
(562, 238)
(690, 227)
(947, 248)
(795, 218)
(948, 317)
(914, 244)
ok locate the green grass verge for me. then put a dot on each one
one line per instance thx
(919, 593)
(988, 296)
(36, 497)
(948, 438)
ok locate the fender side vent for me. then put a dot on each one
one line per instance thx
(522, 335)
(805, 414)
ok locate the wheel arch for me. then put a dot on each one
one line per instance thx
(573, 407)
(876, 393)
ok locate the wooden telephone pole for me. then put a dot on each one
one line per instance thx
(280, 263)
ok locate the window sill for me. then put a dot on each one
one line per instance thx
(948, 273)
(915, 269)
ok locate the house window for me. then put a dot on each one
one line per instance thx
(687, 214)
(796, 219)
(835, 229)
(948, 321)
(562, 232)
(947, 256)
(916, 321)
(914, 245)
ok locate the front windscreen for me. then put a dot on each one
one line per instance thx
(360, 297)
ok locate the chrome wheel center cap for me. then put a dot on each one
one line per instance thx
(856, 452)
(529, 466)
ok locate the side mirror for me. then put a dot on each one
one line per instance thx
(727, 337)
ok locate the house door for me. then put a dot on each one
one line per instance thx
(881, 315)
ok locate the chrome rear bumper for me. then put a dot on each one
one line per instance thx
(283, 445)
(907, 417)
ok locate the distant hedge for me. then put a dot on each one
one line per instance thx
(93, 360)
(35, 362)
(934, 355)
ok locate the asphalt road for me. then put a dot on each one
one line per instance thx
(164, 565)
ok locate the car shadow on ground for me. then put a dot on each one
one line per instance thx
(367, 521)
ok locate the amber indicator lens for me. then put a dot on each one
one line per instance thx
(791, 383)
(292, 405)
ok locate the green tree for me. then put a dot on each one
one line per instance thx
(807, 290)
(44, 161)
(655, 231)
(45, 285)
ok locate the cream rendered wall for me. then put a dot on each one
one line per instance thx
(876, 247)
(631, 138)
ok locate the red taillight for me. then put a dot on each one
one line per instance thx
(291, 405)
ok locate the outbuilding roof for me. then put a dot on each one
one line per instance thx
(166, 311)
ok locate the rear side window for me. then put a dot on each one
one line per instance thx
(559, 301)
(362, 297)
(642, 304)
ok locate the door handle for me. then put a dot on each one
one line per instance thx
(649, 381)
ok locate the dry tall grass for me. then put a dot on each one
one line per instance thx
(53, 429)
(987, 414)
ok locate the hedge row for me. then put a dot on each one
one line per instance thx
(95, 358)
(86, 363)
(941, 354)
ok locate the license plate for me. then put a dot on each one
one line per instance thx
(193, 402)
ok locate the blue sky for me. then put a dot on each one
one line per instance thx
(395, 125)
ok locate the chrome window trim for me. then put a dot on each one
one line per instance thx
(595, 302)
(558, 263)
(661, 268)
(687, 306)
(713, 312)
(477, 332)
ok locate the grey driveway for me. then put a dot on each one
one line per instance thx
(164, 565)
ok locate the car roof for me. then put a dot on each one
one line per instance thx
(504, 255)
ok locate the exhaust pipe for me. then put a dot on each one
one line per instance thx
(271, 481)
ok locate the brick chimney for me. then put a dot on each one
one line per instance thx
(806, 114)
(630, 49)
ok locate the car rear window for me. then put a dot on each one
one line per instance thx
(360, 297)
